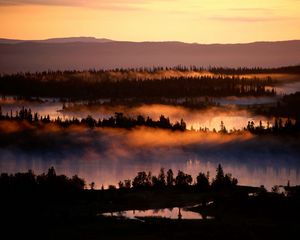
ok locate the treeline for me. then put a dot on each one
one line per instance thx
(101, 73)
(163, 180)
(279, 126)
(119, 120)
(73, 85)
(51, 182)
(255, 70)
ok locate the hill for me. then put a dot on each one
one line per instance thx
(87, 53)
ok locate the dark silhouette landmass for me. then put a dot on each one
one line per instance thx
(42, 192)
(40, 56)
(63, 207)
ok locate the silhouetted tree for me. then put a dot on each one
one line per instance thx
(127, 183)
(162, 177)
(222, 128)
(142, 180)
(203, 181)
(92, 185)
(222, 181)
(121, 185)
(182, 179)
(170, 178)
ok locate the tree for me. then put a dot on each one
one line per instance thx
(222, 181)
(127, 183)
(121, 185)
(142, 180)
(202, 181)
(161, 178)
(140, 120)
(51, 173)
(222, 128)
(155, 182)
(183, 179)
(78, 183)
(220, 173)
(112, 187)
(275, 189)
(92, 186)
(170, 178)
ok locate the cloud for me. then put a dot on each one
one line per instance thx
(78, 2)
(103, 4)
(250, 9)
(41, 2)
(247, 19)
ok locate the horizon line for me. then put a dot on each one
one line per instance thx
(146, 41)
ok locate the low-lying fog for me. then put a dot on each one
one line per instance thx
(106, 156)
(232, 116)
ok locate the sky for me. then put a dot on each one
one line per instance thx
(202, 21)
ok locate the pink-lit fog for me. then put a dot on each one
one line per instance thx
(91, 153)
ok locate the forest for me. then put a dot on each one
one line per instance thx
(131, 83)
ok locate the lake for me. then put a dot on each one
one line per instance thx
(108, 156)
(171, 213)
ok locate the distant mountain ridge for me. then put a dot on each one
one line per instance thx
(82, 53)
(58, 40)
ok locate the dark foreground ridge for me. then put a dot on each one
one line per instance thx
(66, 207)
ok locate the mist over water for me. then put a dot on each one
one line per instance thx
(246, 101)
(107, 156)
(289, 88)
(232, 116)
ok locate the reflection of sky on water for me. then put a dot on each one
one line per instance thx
(252, 161)
(288, 88)
(172, 213)
(244, 101)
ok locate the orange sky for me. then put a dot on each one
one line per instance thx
(205, 21)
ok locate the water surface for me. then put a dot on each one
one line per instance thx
(171, 213)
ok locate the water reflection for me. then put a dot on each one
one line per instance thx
(171, 213)
(254, 172)
(244, 101)
(288, 88)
